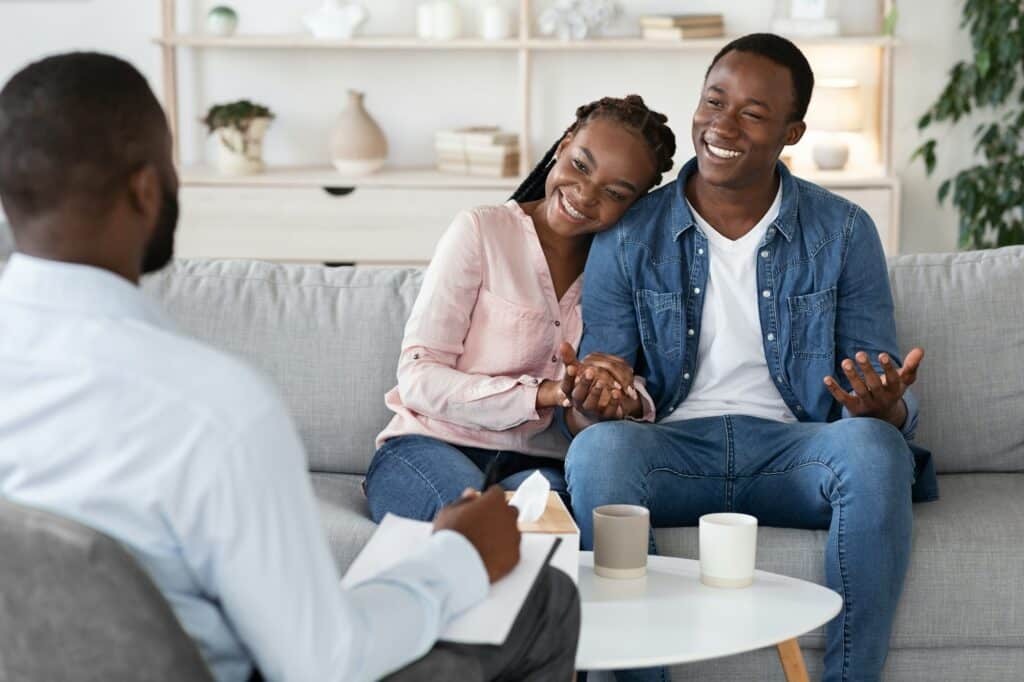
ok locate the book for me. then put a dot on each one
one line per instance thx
(676, 20)
(475, 136)
(490, 621)
(679, 33)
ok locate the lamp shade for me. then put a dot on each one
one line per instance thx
(836, 106)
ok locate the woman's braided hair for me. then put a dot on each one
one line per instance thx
(630, 112)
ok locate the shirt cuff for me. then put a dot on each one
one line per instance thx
(531, 386)
(463, 571)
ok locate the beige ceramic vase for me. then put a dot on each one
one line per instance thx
(358, 145)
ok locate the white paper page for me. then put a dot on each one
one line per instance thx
(489, 622)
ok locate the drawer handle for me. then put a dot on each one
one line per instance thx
(339, 191)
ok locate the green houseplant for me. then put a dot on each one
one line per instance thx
(239, 128)
(988, 195)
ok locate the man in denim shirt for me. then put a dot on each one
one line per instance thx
(757, 308)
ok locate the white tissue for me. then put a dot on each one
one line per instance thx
(531, 498)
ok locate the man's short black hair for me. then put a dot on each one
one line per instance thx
(783, 53)
(73, 127)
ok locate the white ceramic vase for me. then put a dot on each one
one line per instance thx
(358, 145)
(335, 20)
(241, 153)
(221, 21)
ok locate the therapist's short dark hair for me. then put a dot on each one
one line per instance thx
(73, 127)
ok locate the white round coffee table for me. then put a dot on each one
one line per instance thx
(669, 617)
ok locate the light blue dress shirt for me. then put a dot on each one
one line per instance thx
(189, 458)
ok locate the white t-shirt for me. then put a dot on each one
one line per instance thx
(732, 374)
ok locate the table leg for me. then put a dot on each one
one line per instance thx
(792, 661)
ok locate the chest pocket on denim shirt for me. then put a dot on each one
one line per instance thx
(661, 322)
(813, 321)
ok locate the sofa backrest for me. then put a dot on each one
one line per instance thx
(330, 337)
(967, 311)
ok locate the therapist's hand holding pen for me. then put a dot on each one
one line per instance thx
(489, 523)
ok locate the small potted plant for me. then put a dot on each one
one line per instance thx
(239, 127)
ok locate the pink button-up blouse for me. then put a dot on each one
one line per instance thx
(483, 333)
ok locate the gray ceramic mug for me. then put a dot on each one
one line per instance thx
(621, 533)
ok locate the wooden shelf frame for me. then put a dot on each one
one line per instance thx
(525, 46)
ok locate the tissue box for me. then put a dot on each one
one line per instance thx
(558, 522)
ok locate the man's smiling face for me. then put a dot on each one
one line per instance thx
(744, 119)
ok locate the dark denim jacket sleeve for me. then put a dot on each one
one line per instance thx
(865, 314)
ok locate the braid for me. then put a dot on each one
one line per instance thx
(631, 112)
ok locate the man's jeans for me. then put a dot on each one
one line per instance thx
(852, 477)
(414, 476)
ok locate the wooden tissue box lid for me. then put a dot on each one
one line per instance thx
(556, 518)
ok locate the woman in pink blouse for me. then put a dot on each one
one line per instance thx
(481, 368)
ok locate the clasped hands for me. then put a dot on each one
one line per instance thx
(599, 387)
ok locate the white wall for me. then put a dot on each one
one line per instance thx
(413, 94)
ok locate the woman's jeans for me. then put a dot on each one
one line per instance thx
(414, 476)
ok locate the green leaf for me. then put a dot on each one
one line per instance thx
(983, 60)
(944, 190)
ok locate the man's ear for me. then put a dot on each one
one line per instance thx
(795, 132)
(145, 192)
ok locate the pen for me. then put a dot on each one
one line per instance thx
(493, 473)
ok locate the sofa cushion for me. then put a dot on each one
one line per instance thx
(328, 338)
(967, 566)
(344, 514)
(966, 310)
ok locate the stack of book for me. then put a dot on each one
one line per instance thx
(478, 150)
(682, 26)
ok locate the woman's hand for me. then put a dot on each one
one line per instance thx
(549, 394)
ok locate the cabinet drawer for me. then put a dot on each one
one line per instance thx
(370, 225)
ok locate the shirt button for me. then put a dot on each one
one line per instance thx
(557, 323)
(700, 252)
(799, 409)
(686, 376)
(554, 358)
(696, 290)
(771, 337)
(415, 356)
(771, 232)
(690, 332)
(778, 378)
(764, 254)
(766, 293)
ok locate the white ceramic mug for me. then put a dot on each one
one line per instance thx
(425, 20)
(728, 549)
(446, 23)
(621, 537)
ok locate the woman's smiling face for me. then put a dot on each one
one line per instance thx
(601, 169)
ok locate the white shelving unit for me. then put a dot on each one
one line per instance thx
(873, 187)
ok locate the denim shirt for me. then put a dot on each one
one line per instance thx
(822, 290)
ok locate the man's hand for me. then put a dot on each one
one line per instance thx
(489, 523)
(873, 395)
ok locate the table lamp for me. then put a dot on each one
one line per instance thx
(836, 107)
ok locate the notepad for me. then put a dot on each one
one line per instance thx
(489, 622)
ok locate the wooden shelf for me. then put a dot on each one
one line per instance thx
(300, 41)
(640, 44)
(324, 176)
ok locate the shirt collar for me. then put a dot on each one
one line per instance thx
(785, 222)
(75, 288)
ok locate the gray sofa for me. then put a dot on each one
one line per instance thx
(330, 339)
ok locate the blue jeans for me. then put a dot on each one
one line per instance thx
(414, 476)
(852, 477)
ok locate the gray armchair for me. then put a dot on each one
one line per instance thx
(74, 605)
